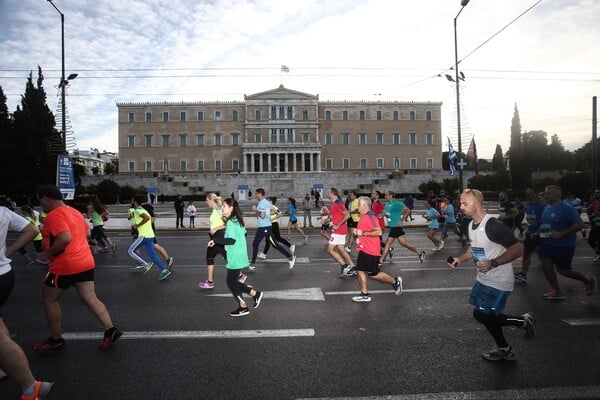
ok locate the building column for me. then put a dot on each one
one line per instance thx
(318, 162)
(269, 155)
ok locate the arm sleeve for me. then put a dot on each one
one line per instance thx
(499, 233)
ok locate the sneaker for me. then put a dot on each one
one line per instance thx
(170, 261)
(147, 268)
(257, 299)
(110, 337)
(305, 239)
(529, 324)
(164, 274)
(391, 252)
(206, 285)
(251, 267)
(554, 295)
(435, 249)
(262, 255)
(40, 391)
(348, 249)
(240, 312)
(441, 246)
(293, 249)
(37, 263)
(499, 354)
(521, 277)
(397, 286)
(103, 250)
(350, 271)
(3, 375)
(421, 257)
(241, 278)
(138, 266)
(292, 261)
(342, 269)
(362, 298)
(597, 259)
(590, 287)
(49, 345)
(113, 248)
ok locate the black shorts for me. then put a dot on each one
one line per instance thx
(368, 263)
(529, 244)
(351, 223)
(7, 282)
(396, 232)
(325, 226)
(66, 281)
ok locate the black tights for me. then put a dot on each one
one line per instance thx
(494, 323)
(236, 287)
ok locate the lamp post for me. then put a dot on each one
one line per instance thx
(463, 3)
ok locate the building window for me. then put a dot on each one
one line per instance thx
(379, 162)
(131, 166)
(235, 115)
(379, 115)
(200, 140)
(429, 138)
(148, 140)
(329, 138)
(235, 139)
(412, 115)
(305, 137)
(429, 163)
(165, 116)
(290, 136)
(397, 162)
(183, 140)
(217, 115)
(200, 165)
(183, 165)
(413, 163)
(148, 166)
(131, 141)
(257, 115)
(258, 137)
(328, 115)
(200, 115)
(362, 115)
(235, 164)
(305, 115)
(131, 117)
(329, 163)
(346, 163)
(273, 135)
(428, 115)
(362, 138)
(396, 138)
(218, 165)
(396, 115)
(218, 138)
(345, 138)
(165, 140)
(363, 163)
(379, 137)
(183, 116)
(345, 115)
(166, 166)
(148, 116)
(273, 113)
(412, 137)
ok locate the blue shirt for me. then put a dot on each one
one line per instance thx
(560, 218)
(432, 216)
(264, 206)
(533, 215)
(292, 210)
(449, 213)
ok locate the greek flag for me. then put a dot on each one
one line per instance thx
(284, 68)
(451, 157)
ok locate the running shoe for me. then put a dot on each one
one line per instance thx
(342, 269)
(397, 286)
(40, 391)
(147, 268)
(262, 255)
(499, 355)
(521, 277)
(421, 257)
(529, 325)
(251, 267)
(348, 249)
(240, 312)
(170, 261)
(164, 274)
(257, 299)
(3, 375)
(49, 345)
(37, 263)
(391, 252)
(590, 287)
(349, 271)
(293, 249)
(110, 337)
(554, 295)
(292, 261)
(305, 239)
(138, 266)
(435, 249)
(362, 298)
(241, 278)
(103, 250)
(441, 245)
(113, 248)
(207, 284)
(597, 259)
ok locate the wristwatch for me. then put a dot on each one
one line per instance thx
(494, 263)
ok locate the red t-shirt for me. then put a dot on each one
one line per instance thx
(336, 211)
(368, 244)
(378, 208)
(77, 256)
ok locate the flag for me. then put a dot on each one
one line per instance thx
(451, 158)
(284, 68)
(472, 153)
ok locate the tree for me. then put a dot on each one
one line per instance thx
(516, 155)
(6, 154)
(498, 163)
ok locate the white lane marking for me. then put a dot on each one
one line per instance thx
(309, 294)
(554, 393)
(242, 334)
(450, 289)
(582, 321)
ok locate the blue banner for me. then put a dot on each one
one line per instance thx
(64, 176)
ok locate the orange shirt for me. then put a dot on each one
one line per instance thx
(77, 256)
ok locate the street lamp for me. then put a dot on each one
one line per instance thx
(463, 3)
(63, 82)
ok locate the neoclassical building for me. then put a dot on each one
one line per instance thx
(279, 131)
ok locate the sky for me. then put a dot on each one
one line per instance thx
(541, 55)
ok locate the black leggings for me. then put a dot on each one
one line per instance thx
(594, 239)
(277, 236)
(236, 287)
(494, 323)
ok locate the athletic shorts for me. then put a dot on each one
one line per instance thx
(7, 282)
(325, 226)
(66, 281)
(351, 223)
(562, 257)
(396, 232)
(367, 263)
(488, 299)
(337, 240)
(530, 244)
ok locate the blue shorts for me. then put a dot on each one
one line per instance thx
(561, 256)
(488, 299)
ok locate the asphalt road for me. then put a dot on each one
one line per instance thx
(307, 339)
